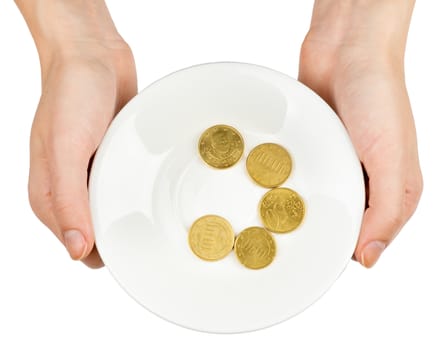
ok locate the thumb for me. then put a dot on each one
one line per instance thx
(70, 206)
(384, 216)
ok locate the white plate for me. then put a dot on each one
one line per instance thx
(148, 184)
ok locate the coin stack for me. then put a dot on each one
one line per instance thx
(281, 209)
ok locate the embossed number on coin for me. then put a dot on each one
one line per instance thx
(221, 146)
(211, 237)
(282, 210)
(269, 164)
(255, 247)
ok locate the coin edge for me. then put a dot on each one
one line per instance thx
(304, 210)
(264, 185)
(222, 167)
(189, 237)
(274, 245)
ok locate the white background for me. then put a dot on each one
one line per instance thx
(49, 302)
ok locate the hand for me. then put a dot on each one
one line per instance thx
(364, 83)
(82, 90)
(88, 75)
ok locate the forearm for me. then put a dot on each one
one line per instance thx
(65, 25)
(376, 24)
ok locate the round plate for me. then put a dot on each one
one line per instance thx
(148, 184)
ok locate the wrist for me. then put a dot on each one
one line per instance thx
(374, 26)
(69, 28)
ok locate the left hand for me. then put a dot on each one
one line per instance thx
(367, 90)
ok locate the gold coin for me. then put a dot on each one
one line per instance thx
(282, 210)
(211, 237)
(269, 164)
(221, 146)
(255, 247)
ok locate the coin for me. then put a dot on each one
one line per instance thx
(221, 146)
(255, 247)
(269, 164)
(282, 210)
(211, 237)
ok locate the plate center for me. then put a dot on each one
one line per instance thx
(229, 193)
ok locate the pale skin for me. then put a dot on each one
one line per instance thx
(352, 56)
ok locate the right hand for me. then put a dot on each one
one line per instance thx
(83, 88)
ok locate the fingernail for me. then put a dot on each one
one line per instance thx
(371, 253)
(75, 243)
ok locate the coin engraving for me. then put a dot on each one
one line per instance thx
(221, 146)
(255, 247)
(282, 210)
(269, 164)
(211, 237)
